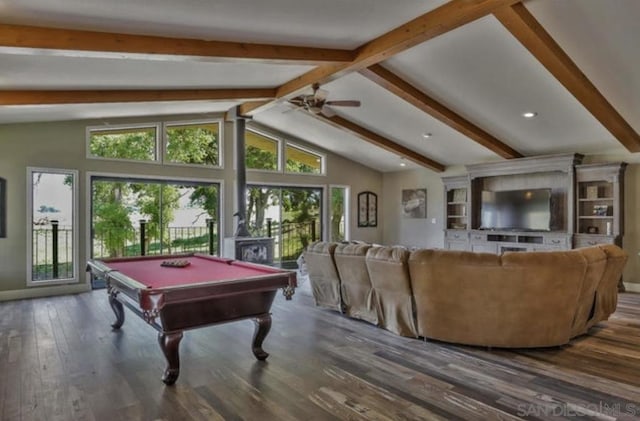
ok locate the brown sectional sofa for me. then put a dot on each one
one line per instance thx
(532, 299)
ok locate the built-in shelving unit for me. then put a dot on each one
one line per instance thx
(587, 202)
(600, 198)
(456, 199)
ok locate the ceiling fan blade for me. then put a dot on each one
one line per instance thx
(344, 103)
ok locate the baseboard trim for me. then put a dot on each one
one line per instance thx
(632, 287)
(21, 294)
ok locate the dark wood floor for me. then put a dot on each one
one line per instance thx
(59, 360)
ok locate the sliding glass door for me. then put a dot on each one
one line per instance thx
(134, 217)
(291, 215)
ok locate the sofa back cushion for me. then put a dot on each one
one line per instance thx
(514, 300)
(596, 260)
(323, 275)
(357, 292)
(607, 290)
(392, 295)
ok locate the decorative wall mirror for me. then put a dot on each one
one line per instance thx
(367, 209)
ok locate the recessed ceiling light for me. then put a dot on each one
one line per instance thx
(426, 135)
(529, 114)
(403, 164)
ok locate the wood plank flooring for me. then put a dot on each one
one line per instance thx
(59, 360)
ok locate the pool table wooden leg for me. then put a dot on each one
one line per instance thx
(169, 343)
(263, 325)
(117, 308)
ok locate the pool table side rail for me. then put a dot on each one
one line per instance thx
(150, 299)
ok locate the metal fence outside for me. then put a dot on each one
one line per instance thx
(53, 245)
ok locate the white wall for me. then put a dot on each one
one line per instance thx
(413, 232)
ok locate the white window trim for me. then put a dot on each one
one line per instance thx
(323, 159)
(158, 148)
(163, 137)
(75, 226)
(279, 160)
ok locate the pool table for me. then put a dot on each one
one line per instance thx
(174, 293)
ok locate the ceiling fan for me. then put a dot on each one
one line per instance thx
(317, 103)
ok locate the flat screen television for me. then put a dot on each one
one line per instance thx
(517, 210)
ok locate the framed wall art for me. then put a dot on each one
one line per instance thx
(367, 209)
(414, 203)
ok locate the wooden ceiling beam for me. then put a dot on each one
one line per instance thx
(443, 19)
(381, 141)
(39, 97)
(398, 86)
(64, 40)
(526, 29)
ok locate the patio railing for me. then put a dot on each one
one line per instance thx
(53, 244)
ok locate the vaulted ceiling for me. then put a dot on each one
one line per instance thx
(463, 71)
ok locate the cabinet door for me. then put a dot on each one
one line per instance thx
(592, 240)
(485, 248)
(457, 245)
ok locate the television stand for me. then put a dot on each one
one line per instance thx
(497, 242)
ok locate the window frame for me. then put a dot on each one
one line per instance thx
(75, 226)
(164, 142)
(90, 175)
(347, 211)
(158, 147)
(323, 159)
(279, 150)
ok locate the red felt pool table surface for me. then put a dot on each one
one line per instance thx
(200, 269)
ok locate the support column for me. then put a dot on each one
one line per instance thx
(241, 179)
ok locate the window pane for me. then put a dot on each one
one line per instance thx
(133, 143)
(261, 152)
(193, 144)
(143, 217)
(52, 248)
(338, 213)
(302, 161)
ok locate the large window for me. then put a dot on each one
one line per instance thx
(265, 151)
(187, 143)
(301, 160)
(128, 143)
(133, 217)
(193, 143)
(261, 152)
(52, 226)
